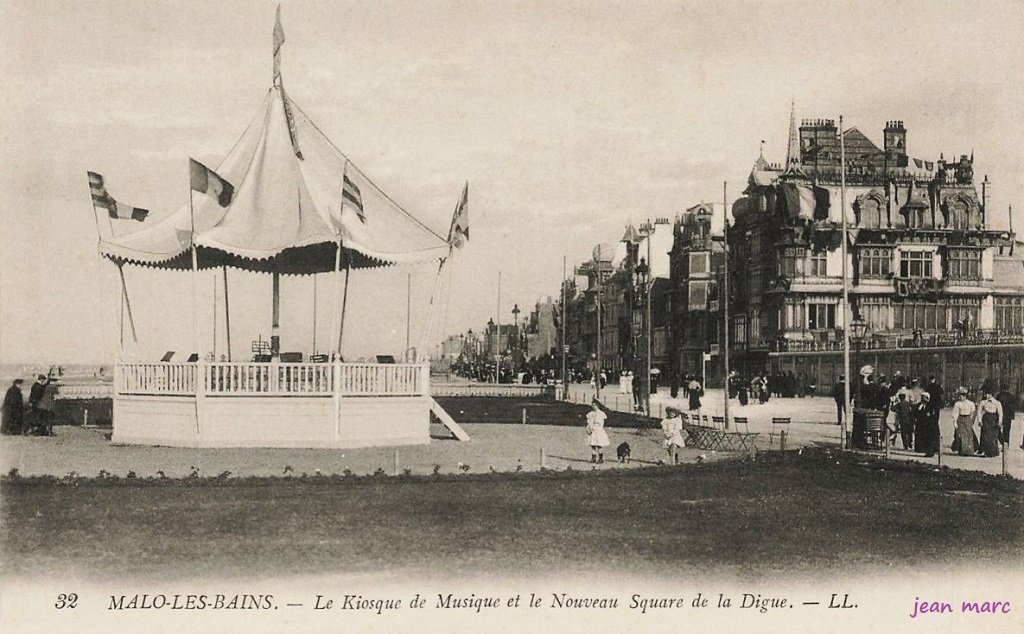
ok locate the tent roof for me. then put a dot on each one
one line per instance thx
(286, 214)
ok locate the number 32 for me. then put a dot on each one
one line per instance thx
(66, 601)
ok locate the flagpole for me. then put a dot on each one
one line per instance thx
(227, 313)
(850, 375)
(195, 267)
(336, 304)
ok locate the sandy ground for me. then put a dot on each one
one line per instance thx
(501, 447)
(493, 446)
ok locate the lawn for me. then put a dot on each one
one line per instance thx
(489, 409)
(781, 512)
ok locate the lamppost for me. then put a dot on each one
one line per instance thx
(858, 328)
(643, 272)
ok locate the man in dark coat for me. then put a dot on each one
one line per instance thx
(1009, 403)
(14, 409)
(838, 396)
(935, 393)
(40, 418)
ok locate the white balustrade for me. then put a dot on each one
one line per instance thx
(172, 379)
(273, 379)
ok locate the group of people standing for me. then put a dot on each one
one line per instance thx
(33, 419)
(916, 409)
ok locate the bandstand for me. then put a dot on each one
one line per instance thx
(298, 206)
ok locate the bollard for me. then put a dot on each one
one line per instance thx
(542, 463)
(1004, 448)
(524, 415)
(85, 418)
(395, 468)
(939, 452)
(885, 426)
(782, 440)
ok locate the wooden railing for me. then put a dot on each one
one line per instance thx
(268, 378)
(272, 379)
(170, 379)
(372, 379)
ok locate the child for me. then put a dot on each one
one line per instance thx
(672, 426)
(597, 437)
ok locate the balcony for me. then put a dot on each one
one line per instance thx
(908, 341)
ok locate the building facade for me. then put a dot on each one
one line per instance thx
(938, 290)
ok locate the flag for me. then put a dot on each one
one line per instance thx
(350, 193)
(103, 200)
(278, 41)
(208, 182)
(458, 234)
(800, 200)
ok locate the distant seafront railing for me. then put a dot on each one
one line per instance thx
(271, 379)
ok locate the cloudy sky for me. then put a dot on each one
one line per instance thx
(568, 119)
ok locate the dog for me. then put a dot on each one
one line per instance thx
(623, 452)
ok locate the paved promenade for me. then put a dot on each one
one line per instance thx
(813, 424)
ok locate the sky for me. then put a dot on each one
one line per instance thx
(568, 120)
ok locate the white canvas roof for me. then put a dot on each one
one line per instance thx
(286, 214)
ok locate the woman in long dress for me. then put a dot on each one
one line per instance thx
(695, 393)
(990, 415)
(926, 419)
(597, 437)
(672, 427)
(965, 441)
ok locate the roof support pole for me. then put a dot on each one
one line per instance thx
(335, 305)
(227, 314)
(344, 305)
(275, 323)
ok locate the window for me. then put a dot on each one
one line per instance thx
(964, 313)
(919, 315)
(875, 311)
(821, 316)
(698, 263)
(1009, 314)
(791, 262)
(964, 264)
(916, 264)
(739, 329)
(871, 212)
(819, 264)
(875, 262)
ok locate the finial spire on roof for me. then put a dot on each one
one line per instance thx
(793, 148)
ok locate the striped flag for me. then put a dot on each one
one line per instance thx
(278, 41)
(458, 234)
(103, 200)
(208, 182)
(350, 193)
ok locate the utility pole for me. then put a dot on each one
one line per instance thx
(597, 370)
(565, 315)
(725, 297)
(847, 406)
(497, 334)
(648, 286)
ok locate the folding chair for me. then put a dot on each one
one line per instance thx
(718, 422)
(778, 425)
(737, 421)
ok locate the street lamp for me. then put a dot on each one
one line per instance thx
(858, 329)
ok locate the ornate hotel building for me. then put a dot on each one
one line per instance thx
(934, 288)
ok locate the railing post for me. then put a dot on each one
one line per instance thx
(425, 379)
